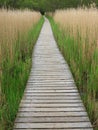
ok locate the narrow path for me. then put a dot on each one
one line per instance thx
(51, 100)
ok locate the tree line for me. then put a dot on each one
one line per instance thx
(45, 5)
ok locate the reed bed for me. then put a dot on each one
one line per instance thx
(76, 31)
(18, 33)
(14, 24)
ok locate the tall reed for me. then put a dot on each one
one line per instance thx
(78, 40)
(18, 33)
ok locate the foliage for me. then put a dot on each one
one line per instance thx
(45, 5)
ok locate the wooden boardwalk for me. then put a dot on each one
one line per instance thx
(51, 100)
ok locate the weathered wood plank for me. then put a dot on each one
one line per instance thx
(31, 88)
(52, 97)
(51, 105)
(54, 76)
(53, 85)
(50, 78)
(53, 125)
(51, 91)
(50, 101)
(52, 82)
(51, 119)
(49, 94)
(73, 109)
(47, 114)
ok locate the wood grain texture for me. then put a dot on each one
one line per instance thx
(51, 99)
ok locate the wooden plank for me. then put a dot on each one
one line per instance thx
(52, 91)
(51, 83)
(53, 125)
(31, 88)
(55, 75)
(49, 73)
(51, 105)
(47, 114)
(47, 85)
(47, 81)
(49, 78)
(70, 109)
(52, 79)
(51, 119)
(50, 101)
(52, 94)
(52, 97)
(52, 70)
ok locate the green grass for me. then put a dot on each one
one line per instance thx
(15, 75)
(84, 69)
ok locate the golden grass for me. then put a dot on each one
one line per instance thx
(13, 25)
(83, 22)
(81, 25)
(18, 32)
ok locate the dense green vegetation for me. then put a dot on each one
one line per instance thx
(85, 71)
(45, 5)
(15, 75)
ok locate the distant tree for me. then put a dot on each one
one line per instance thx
(45, 5)
(87, 2)
(96, 1)
(4, 3)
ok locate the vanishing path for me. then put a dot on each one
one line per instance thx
(51, 100)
